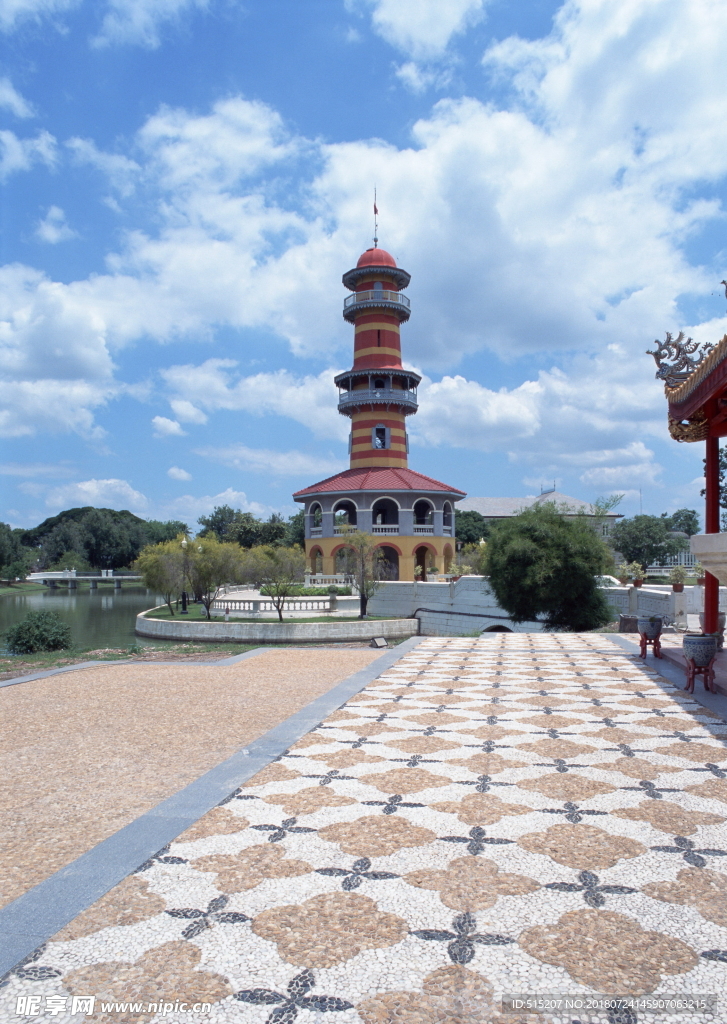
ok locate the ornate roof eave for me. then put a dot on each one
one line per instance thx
(352, 277)
(690, 394)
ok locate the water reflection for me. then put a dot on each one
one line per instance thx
(98, 618)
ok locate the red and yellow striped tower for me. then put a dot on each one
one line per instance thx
(376, 392)
(411, 516)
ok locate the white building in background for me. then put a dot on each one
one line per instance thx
(503, 508)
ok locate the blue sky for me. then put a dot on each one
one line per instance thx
(185, 181)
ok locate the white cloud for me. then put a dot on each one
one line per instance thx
(421, 28)
(13, 12)
(121, 170)
(52, 406)
(556, 224)
(117, 494)
(175, 473)
(216, 385)
(189, 508)
(20, 154)
(140, 21)
(11, 99)
(54, 228)
(261, 460)
(186, 412)
(164, 427)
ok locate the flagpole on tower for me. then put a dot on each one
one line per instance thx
(376, 222)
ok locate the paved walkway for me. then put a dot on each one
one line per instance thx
(520, 814)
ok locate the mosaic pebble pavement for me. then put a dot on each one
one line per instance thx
(524, 813)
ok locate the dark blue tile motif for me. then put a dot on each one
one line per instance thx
(572, 812)
(719, 955)
(488, 746)
(352, 877)
(626, 751)
(462, 940)
(689, 851)
(559, 764)
(238, 794)
(329, 777)
(714, 769)
(594, 894)
(278, 832)
(160, 857)
(618, 1012)
(392, 804)
(27, 972)
(202, 919)
(476, 840)
(415, 760)
(296, 998)
(650, 790)
(482, 784)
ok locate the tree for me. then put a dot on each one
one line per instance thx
(365, 563)
(162, 568)
(646, 540)
(15, 559)
(157, 532)
(208, 565)
(221, 521)
(295, 530)
(470, 527)
(543, 564)
(686, 520)
(281, 569)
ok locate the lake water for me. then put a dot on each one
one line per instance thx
(98, 618)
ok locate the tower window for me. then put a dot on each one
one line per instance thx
(379, 384)
(380, 437)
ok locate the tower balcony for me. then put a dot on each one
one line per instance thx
(377, 298)
(405, 401)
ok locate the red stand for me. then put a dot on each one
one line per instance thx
(646, 642)
(706, 672)
(711, 523)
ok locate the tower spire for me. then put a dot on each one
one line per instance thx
(376, 221)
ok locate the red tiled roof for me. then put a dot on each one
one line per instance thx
(373, 479)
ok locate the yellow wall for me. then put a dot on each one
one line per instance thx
(406, 545)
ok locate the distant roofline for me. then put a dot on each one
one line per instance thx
(505, 508)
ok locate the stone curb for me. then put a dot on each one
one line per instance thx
(38, 914)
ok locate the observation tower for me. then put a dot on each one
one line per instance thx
(411, 515)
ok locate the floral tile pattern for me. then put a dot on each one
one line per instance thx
(517, 813)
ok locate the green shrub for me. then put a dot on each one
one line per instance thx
(39, 631)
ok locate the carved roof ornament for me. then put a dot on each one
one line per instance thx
(696, 428)
(674, 358)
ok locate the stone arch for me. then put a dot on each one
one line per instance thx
(385, 511)
(343, 559)
(424, 559)
(448, 556)
(316, 560)
(345, 512)
(389, 566)
(423, 512)
(447, 515)
(316, 515)
(498, 629)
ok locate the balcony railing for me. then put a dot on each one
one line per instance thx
(380, 396)
(316, 531)
(447, 530)
(391, 528)
(339, 530)
(423, 529)
(376, 295)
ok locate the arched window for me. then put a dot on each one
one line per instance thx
(316, 516)
(380, 436)
(423, 513)
(447, 515)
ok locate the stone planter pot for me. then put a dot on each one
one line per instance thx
(678, 588)
(650, 626)
(638, 583)
(720, 628)
(700, 648)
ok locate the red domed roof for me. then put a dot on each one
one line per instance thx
(376, 258)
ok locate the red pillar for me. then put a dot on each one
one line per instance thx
(711, 583)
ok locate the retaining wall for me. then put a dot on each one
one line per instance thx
(275, 632)
(464, 606)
